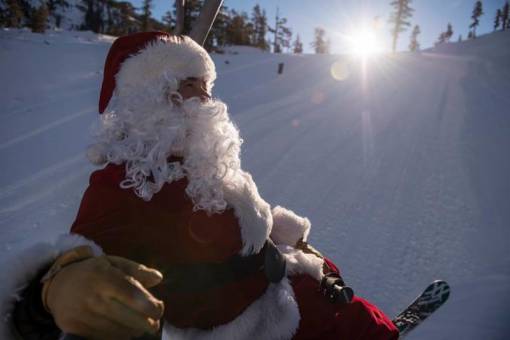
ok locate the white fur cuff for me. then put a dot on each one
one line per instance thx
(288, 227)
(20, 269)
(275, 315)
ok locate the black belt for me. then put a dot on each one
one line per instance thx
(203, 276)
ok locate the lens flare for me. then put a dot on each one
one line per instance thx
(340, 70)
(364, 43)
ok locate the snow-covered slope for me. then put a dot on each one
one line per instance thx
(401, 163)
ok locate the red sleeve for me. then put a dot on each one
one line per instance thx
(104, 212)
(320, 319)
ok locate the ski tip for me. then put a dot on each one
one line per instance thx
(440, 288)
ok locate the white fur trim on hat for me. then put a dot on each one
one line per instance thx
(275, 315)
(288, 227)
(174, 58)
(19, 269)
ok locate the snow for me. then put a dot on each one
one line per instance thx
(401, 162)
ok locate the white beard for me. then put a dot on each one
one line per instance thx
(145, 136)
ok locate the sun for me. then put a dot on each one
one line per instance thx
(364, 43)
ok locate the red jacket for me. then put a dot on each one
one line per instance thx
(166, 231)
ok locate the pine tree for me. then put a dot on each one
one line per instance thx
(504, 17)
(282, 34)
(497, 19)
(441, 39)
(217, 36)
(238, 30)
(449, 33)
(414, 45)
(168, 21)
(445, 36)
(146, 15)
(191, 13)
(297, 45)
(402, 12)
(320, 44)
(477, 13)
(259, 21)
(12, 15)
(122, 21)
(93, 16)
(39, 19)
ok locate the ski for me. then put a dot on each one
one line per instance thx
(433, 297)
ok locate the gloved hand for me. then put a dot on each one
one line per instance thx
(104, 298)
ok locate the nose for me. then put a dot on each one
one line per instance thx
(204, 95)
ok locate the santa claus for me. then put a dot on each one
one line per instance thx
(218, 261)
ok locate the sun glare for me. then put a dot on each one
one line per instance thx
(364, 43)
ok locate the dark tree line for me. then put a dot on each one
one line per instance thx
(232, 27)
(402, 12)
(100, 16)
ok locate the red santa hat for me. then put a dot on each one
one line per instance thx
(137, 60)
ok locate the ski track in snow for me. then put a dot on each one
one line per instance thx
(402, 166)
(45, 128)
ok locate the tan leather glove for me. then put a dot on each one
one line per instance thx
(102, 297)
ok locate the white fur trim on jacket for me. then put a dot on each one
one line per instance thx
(22, 267)
(299, 262)
(288, 227)
(253, 213)
(274, 315)
(172, 58)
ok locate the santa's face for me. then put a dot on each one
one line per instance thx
(193, 87)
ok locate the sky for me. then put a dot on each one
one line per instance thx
(342, 17)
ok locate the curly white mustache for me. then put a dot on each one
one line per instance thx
(199, 132)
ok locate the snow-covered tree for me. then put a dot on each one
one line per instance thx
(399, 19)
(477, 13)
(414, 45)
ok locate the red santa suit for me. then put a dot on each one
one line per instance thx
(158, 225)
(165, 231)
